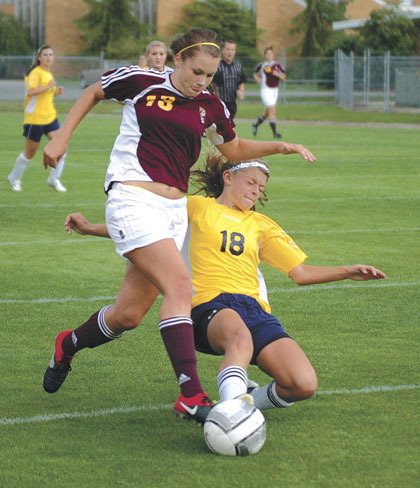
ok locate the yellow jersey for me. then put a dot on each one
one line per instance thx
(227, 246)
(39, 109)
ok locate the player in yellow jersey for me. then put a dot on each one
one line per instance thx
(232, 317)
(40, 117)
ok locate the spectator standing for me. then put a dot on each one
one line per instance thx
(230, 77)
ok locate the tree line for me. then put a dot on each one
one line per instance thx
(111, 28)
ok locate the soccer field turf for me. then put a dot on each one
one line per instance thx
(111, 423)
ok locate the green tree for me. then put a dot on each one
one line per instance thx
(14, 37)
(347, 43)
(315, 23)
(389, 30)
(225, 17)
(111, 27)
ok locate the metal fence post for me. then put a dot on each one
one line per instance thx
(387, 80)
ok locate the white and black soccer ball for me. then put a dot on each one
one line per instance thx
(235, 428)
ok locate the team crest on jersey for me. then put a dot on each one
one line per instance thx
(202, 112)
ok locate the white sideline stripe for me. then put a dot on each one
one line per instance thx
(326, 287)
(57, 300)
(77, 415)
(354, 231)
(149, 408)
(369, 389)
(339, 199)
(50, 205)
(271, 290)
(53, 241)
(305, 232)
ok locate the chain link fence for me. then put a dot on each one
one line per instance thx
(349, 81)
(372, 81)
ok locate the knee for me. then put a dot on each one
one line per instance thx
(181, 290)
(241, 341)
(306, 386)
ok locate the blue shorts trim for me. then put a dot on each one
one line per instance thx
(264, 327)
(34, 132)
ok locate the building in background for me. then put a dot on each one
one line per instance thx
(53, 21)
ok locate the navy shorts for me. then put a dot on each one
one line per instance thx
(34, 132)
(264, 327)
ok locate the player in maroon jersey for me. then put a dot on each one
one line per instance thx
(268, 74)
(164, 119)
(156, 55)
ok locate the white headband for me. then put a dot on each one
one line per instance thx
(250, 164)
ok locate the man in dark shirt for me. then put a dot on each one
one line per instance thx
(230, 77)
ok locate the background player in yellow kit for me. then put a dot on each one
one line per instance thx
(40, 118)
(231, 313)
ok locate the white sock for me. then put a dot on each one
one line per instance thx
(266, 397)
(18, 169)
(232, 381)
(55, 173)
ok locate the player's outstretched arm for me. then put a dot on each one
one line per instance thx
(242, 149)
(310, 275)
(55, 149)
(79, 223)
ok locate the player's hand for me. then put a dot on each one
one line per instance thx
(363, 272)
(76, 222)
(53, 152)
(240, 94)
(289, 148)
(59, 91)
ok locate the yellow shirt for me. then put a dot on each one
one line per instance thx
(227, 246)
(39, 109)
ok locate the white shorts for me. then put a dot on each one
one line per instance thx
(136, 218)
(269, 96)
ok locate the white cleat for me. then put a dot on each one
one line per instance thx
(57, 185)
(15, 185)
(246, 397)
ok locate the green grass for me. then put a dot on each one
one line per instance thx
(358, 203)
(249, 109)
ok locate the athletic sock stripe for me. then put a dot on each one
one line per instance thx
(106, 331)
(275, 399)
(175, 321)
(230, 373)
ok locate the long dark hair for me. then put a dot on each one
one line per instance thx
(209, 180)
(37, 61)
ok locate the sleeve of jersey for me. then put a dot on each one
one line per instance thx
(33, 80)
(124, 83)
(257, 68)
(222, 128)
(279, 250)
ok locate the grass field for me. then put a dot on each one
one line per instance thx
(111, 424)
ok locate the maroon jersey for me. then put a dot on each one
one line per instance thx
(161, 130)
(265, 71)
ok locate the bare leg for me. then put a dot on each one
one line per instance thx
(294, 376)
(228, 335)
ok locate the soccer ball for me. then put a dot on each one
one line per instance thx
(235, 428)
